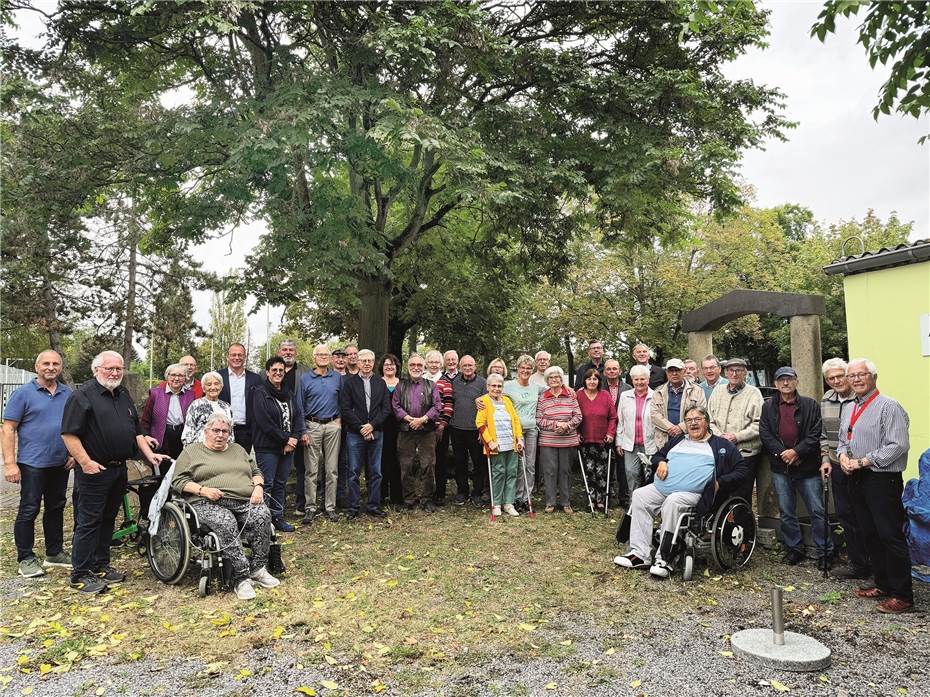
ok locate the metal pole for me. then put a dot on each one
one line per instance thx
(151, 357)
(778, 618)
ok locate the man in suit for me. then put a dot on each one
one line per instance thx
(364, 404)
(238, 384)
(294, 371)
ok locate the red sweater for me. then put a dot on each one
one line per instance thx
(598, 417)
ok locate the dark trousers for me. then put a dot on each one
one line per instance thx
(101, 496)
(276, 468)
(36, 484)
(172, 445)
(744, 490)
(876, 499)
(300, 475)
(391, 484)
(342, 472)
(852, 535)
(442, 455)
(465, 446)
(243, 436)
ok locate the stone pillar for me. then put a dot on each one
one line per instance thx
(805, 354)
(700, 344)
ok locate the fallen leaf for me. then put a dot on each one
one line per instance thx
(567, 642)
(611, 651)
(728, 654)
(329, 684)
(330, 660)
(526, 627)
(550, 685)
(788, 589)
(823, 678)
(243, 674)
(45, 668)
(27, 691)
(635, 683)
(304, 690)
(779, 687)
(378, 686)
(277, 632)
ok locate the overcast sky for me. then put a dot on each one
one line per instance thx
(839, 161)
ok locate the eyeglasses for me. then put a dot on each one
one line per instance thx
(117, 369)
(858, 376)
(277, 370)
(831, 378)
(695, 420)
(178, 375)
(219, 431)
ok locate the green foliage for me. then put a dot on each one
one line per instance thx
(892, 32)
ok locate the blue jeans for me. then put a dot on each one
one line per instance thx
(276, 468)
(36, 484)
(811, 491)
(364, 453)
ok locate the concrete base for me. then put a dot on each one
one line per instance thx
(799, 653)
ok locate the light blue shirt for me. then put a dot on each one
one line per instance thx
(38, 415)
(690, 467)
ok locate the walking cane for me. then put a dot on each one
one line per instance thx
(610, 452)
(826, 526)
(585, 478)
(491, 489)
(526, 483)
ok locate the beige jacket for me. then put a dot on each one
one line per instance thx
(737, 414)
(692, 395)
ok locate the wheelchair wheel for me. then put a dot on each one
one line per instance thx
(203, 588)
(733, 535)
(169, 550)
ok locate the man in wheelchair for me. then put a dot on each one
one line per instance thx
(225, 487)
(691, 472)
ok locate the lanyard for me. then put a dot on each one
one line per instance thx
(857, 412)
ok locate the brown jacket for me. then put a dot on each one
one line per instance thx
(692, 395)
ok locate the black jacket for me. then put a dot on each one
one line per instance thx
(252, 380)
(810, 424)
(268, 434)
(730, 471)
(584, 368)
(352, 403)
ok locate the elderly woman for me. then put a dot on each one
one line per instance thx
(226, 487)
(498, 367)
(202, 409)
(635, 433)
(525, 396)
(557, 417)
(277, 425)
(165, 408)
(598, 428)
(502, 436)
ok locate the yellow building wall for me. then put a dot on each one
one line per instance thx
(883, 317)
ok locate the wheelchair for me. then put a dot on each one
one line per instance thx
(183, 546)
(727, 536)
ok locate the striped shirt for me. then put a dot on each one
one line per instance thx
(831, 409)
(503, 427)
(553, 410)
(880, 434)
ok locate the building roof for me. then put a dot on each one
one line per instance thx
(884, 258)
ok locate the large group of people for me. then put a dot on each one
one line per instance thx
(236, 436)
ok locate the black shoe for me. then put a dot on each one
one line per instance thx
(851, 572)
(429, 507)
(308, 518)
(332, 516)
(440, 503)
(793, 557)
(351, 515)
(88, 583)
(377, 513)
(460, 499)
(282, 525)
(476, 502)
(110, 575)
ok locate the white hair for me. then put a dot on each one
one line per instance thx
(366, 352)
(869, 365)
(639, 371)
(98, 359)
(494, 377)
(211, 375)
(540, 354)
(431, 354)
(554, 370)
(450, 352)
(525, 360)
(833, 364)
(176, 367)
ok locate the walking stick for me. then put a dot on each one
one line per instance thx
(610, 452)
(491, 489)
(826, 526)
(526, 483)
(585, 478)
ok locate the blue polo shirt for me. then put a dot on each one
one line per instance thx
(38, 413)
(321, 394)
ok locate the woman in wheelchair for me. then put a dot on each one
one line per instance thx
(691, 471)
(225, 486)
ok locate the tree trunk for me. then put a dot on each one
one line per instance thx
(131, 288)
(571, 359)
(397, 330)
(374, 313)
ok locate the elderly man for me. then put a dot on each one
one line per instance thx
(467, 387)
(101, 430)
(641, 355)
(294, 371)
(542, 359)
(365, 404)
(417, 406)
(39, 463)
(595, 360)
(790, 428)
(734, 415)
(691, 471)
(193, 384)
(872, 450)
(320, 391)
(710, 366)
(671, 400)
(351, 351)
(691, 371)
(836, 400)
(238, 383)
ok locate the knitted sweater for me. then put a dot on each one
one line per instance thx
(737, 414)
(598, 417)
(484, 420)
(553, 410)
(230, 471)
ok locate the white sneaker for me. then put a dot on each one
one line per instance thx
(496, 510)
(660, 568)
(244, 590)
(631, 561)
(264, 579)
(510, 510)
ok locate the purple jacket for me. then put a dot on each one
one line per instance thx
(155, 412)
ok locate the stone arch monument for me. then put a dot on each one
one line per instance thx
(803, 313)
